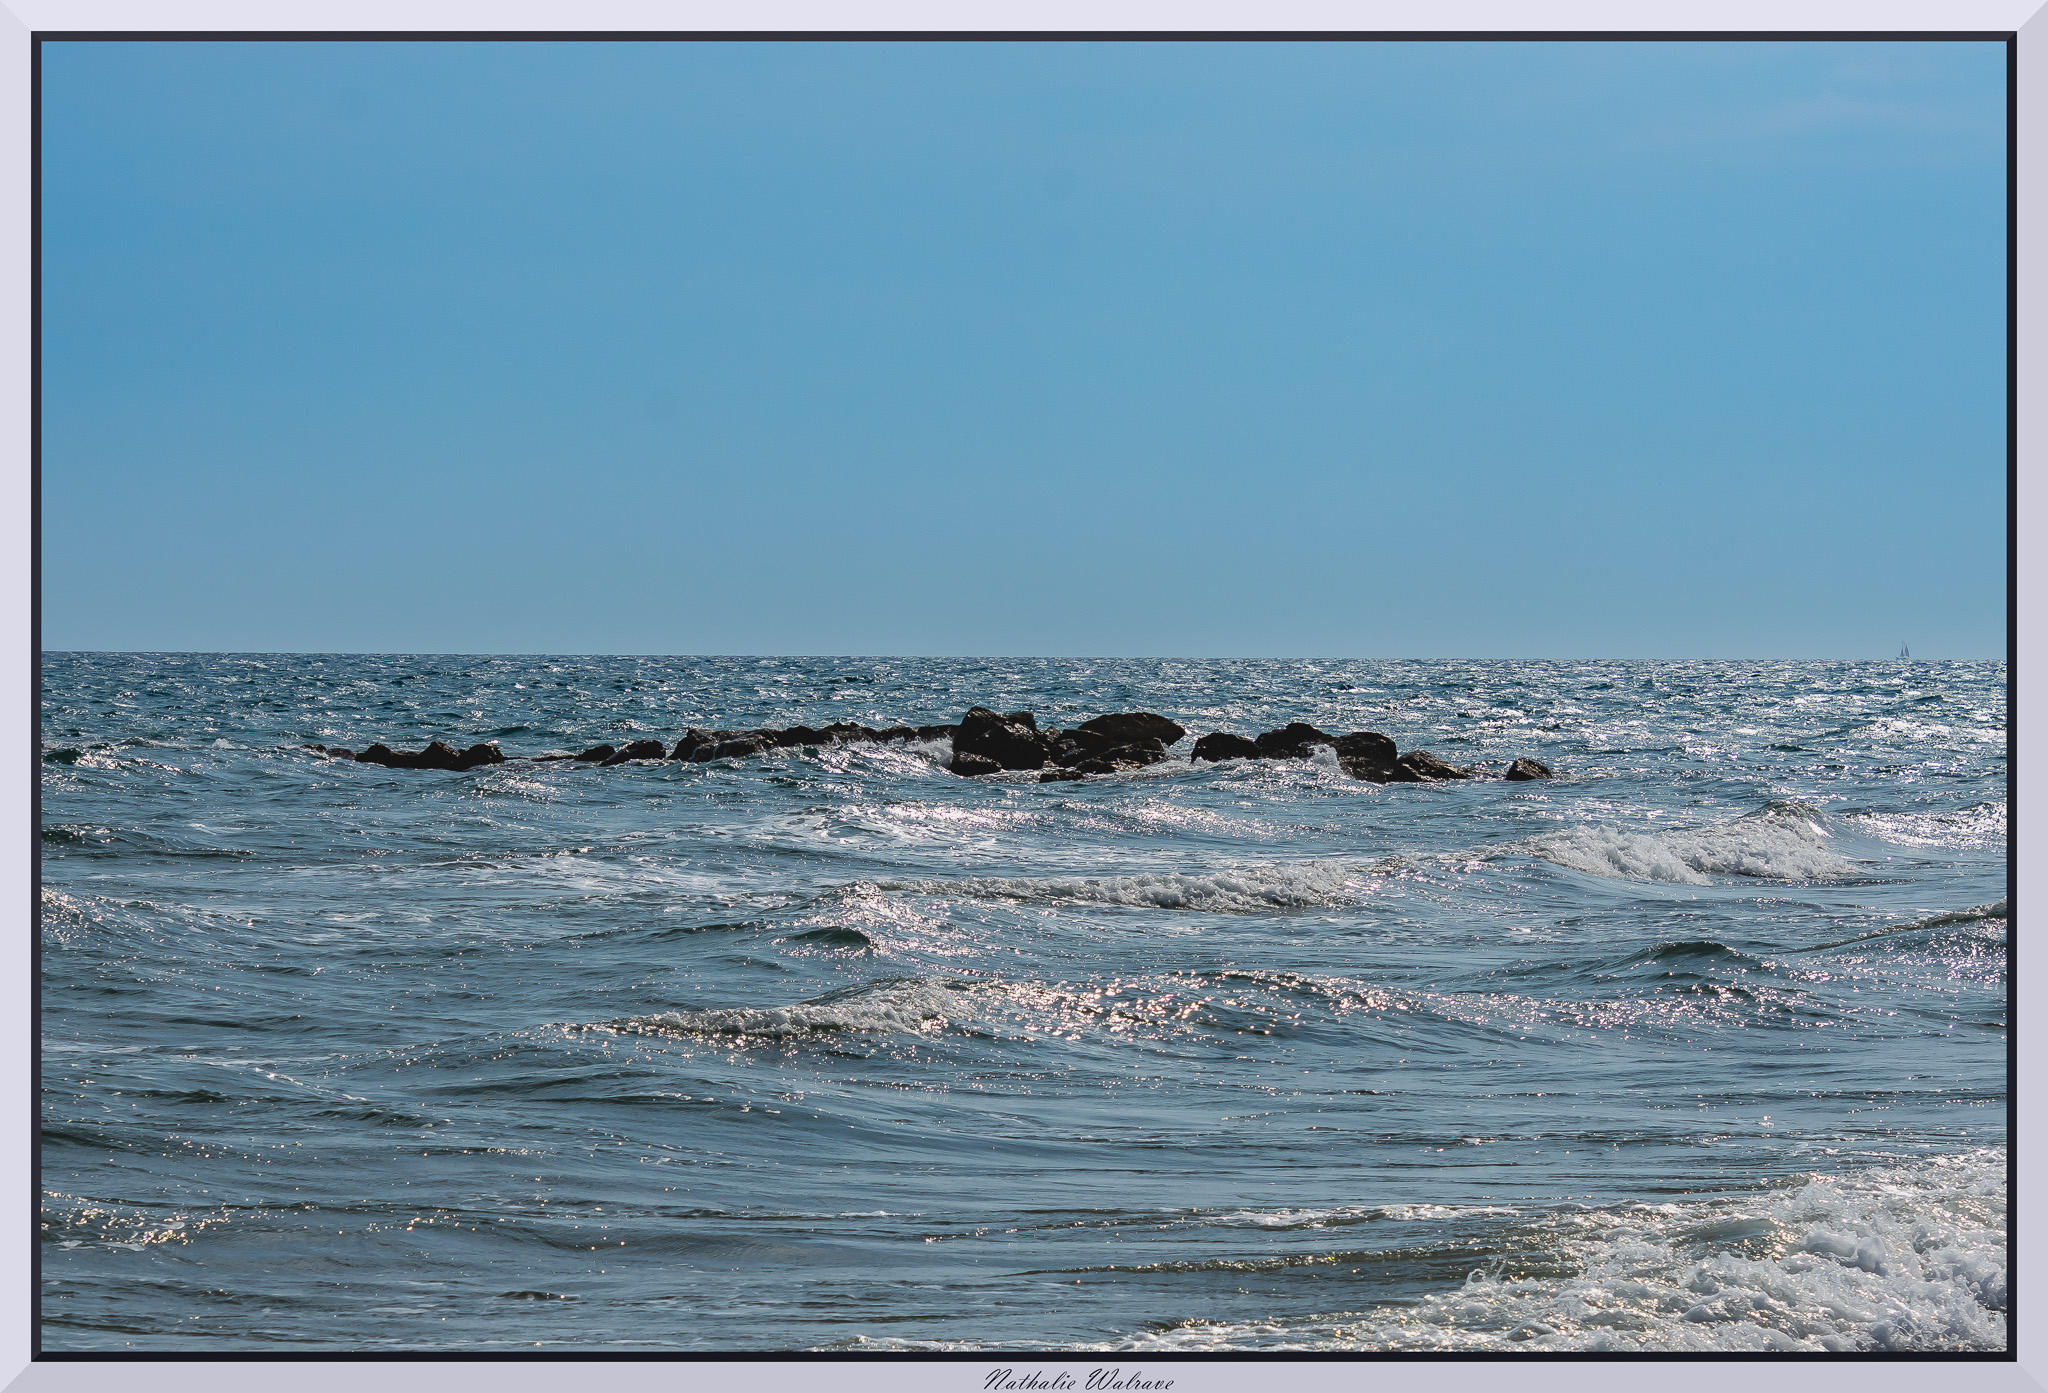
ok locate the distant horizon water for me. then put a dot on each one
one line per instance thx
(1011, 657)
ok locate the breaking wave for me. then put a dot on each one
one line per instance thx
(1894, 1258)
(1782, 841)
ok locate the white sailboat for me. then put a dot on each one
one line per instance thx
(1905, 653)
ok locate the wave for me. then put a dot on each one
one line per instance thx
(1975, 914)
(1894, 1258)
(1781, 841)
(895, 1006)
(1245, 890)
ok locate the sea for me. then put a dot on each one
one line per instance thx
(1699, 1045)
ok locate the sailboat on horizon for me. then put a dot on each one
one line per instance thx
(1905, 653)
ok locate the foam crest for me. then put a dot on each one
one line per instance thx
(1782, 842)
(1244, 890)
(1893, 1258)
(1896, 1258)
(891, 1007)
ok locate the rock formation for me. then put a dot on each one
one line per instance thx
(437, 755)
(1126, 727)
(1425, 765)
(1292, 741)
(1009, 742)
(988, 742)
(1221, 745)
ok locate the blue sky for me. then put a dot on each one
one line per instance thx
(1366, 349)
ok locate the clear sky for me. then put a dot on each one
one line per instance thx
(1337, 349)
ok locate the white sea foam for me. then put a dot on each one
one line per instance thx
(1895, 1258)
(890, 1007)
(1980, 827)
(1784, 841)
(1240, 890)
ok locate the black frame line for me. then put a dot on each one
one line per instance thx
(2010, 38)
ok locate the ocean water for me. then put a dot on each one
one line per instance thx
(1700, 1045)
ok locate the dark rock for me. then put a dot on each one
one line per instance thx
(739, 747)
(847, 732)
(897, 733)
(798, 735)
(639, 749)
(1366, 754)
(1293, 741)
(429, 758)
(596, 754)
(1053, 776)
(1138, 753)
(1221, 744)
(694, 740)
(1367, 745)
(1132, 756)
(1025, 719)
(937, 732)
(437, 755)
(1429, 768)
(1127, 726)
(337, 752)
(490, 754)
(973, 766)
(710, 740)
(1523, 770)
(1007, 742)
(1072, 746)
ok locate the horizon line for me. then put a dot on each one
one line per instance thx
(989, 657)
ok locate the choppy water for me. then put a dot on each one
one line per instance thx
(1699, 1046)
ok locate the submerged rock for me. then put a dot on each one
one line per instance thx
(972, 766)
(639, 749)
(1053, 776)
(1525, 769)
(1221, 745)
(596, 754)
